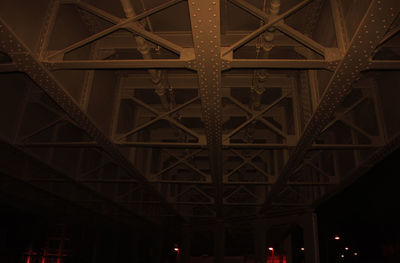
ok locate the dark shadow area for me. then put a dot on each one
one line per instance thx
(365, 216)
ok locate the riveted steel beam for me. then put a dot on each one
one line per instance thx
(117, 64)
(189, 63)
(384, 64)
(284, 28)
(251, 9)
(368, 35)
(279, 63)
(113, 28)
(132, 27)
(340, 29)
(28, 63)
(308, 42)
(262, 29)
(205, 22)
(47, 29)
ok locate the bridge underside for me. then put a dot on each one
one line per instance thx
(196, 114)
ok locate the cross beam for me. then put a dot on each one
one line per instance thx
(367, 37)
(27, 62)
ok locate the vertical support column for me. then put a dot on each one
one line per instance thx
(259, 229)
(186, 243)
(310, 229)
(205, 22)
(219, 242)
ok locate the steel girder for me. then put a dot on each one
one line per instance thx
(187, 60)
(368, 35)
(27, 62)
(205, 22)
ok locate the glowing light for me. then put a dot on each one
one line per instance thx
(302, 249)
(355, 254)
(337, 237)
(346, 248)
(176, 249)
(342, 256)
(271, 249)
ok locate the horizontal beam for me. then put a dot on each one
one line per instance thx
(8, 67)
(190, 81)
(287, 146)
(116, 64)
(182, 63)
(279, 63)
(187, 182)
(185, 145)
(60, 144)
(385, 64)
(124, 40)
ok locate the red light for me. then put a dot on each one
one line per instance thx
(355, 254)
(302, 249)
(342, 256)
(346, 248)
(337, 237)
(176, 249)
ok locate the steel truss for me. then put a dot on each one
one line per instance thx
(204, 170)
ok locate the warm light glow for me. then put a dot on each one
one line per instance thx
(276, 259)
(271, 249)
(342, 256)
(176, 249)
(302, 249)
(337, 237)
(346, 248)
(355, 254)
